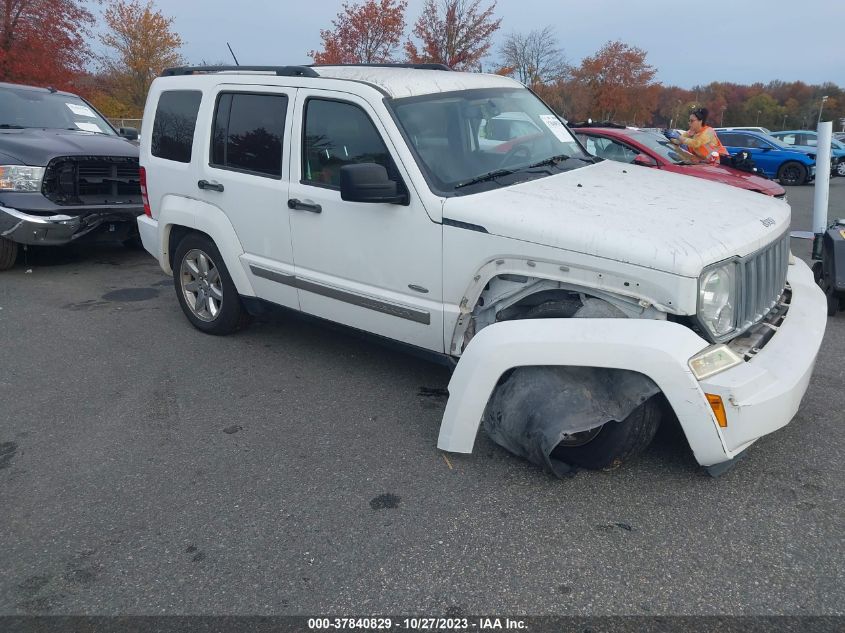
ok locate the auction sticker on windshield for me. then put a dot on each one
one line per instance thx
(81, 110)
(554, 124)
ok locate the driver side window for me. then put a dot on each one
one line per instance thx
(338, 134)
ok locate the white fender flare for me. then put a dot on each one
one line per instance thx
(659, 349)
(194, 214)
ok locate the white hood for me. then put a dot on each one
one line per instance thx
(629, 213)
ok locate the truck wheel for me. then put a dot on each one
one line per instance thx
(792, 173)
(204, 288)
(613, 443)
(609, 445)
(8, 253)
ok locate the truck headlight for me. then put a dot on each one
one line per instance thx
(717, 299)
(21, 178)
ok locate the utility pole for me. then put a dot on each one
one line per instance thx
(758, 117)
(783, 125)
(722, 120)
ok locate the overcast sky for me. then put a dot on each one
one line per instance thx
(689, 43)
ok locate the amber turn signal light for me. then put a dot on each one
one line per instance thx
(718, 409)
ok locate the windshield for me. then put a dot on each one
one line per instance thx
(474, 140)
(28, 108)
(660, 145)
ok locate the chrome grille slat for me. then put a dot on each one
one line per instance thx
(763, 277)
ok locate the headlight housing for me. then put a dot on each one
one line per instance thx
(21, 178)
(717, 299)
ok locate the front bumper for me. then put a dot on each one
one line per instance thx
(61, 228)
(760, 396)
(763, 394)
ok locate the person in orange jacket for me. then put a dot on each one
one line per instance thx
(701, 140)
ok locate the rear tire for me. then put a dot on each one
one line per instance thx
(792, 173)
(205, 289)
(8, 253)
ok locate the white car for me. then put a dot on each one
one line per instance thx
(578, 301)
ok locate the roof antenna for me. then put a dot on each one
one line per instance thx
(233, 55)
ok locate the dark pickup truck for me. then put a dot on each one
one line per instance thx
(65, 173)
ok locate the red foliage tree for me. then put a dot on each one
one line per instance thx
(619, 82)
(457, 33)
(43, 42)
(366, 33)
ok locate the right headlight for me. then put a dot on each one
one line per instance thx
(717, 294)
(21, 178)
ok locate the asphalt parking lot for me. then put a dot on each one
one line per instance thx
(146, 468)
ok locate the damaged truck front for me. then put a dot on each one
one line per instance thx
(607, 296)
(591, 300)
(65, 174)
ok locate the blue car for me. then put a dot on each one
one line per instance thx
(775, 158)
(808, 139)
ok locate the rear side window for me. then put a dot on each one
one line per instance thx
(175, 121)
(248, 133)
(338, 134)
(729, 139)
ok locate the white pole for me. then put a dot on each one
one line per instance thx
(822, 192)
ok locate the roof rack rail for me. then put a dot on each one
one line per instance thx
(389, 65)
(279, 71)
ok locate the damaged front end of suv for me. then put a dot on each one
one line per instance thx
(65, 174)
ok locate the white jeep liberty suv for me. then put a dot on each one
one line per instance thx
(578, 300)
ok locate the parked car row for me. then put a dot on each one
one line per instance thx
(807, 140)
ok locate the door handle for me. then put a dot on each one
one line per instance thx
(293, 203)
(214, 186)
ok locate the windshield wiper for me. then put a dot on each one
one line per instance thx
(490, 175)
(9, 126)
(554, 160)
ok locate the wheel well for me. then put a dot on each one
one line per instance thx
(508, 297)
(177, 234)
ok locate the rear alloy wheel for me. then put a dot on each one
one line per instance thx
(840, 168)
(8, 253)
(205, 289)
(792, 173)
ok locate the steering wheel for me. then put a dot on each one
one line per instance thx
(521, 151)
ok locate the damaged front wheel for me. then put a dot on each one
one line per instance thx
(613, 443)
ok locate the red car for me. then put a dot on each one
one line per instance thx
(651, 149)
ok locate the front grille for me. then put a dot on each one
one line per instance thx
(92, 180)
(763, 277)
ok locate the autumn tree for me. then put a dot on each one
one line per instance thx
(534, 58)
(43, 42)
(365, 33)
(619, 82)
(141, 43)
(458, 33)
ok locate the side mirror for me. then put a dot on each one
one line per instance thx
(368, 182)
(765, 148)
(129, 133)
(645, 160)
